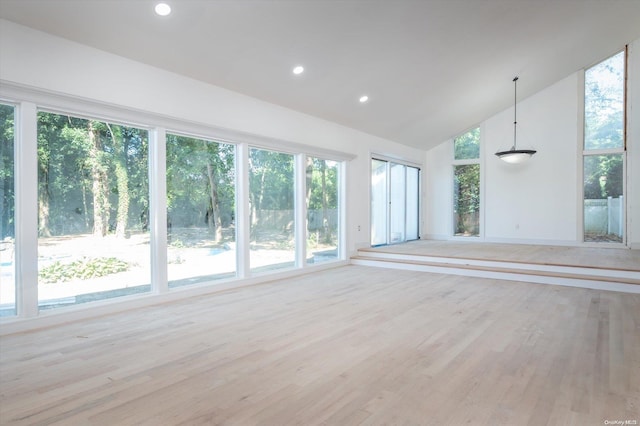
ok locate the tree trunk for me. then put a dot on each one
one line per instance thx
(43, 211)
(215, 222)
(261, 196)
(4, 215)
(43, 201)
(85, 209)
(2, 210)
(325, 219)
(252, 203)
(256, 205)
(308, 191)
(99, 184)
(309, 180)
(122, 183)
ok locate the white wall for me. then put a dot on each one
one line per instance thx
(38, 60)
(438, 192)
(633, 145)
(538, 201)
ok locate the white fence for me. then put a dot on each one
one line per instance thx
(604, 217)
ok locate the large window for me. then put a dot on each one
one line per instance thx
(604, 151)
(89, 195)
(322, 186)
(93, 210)
(7, 212)
(272, 209)
(466, 184)
(200, 210)
(379, 202)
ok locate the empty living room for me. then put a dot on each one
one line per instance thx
(350, 212)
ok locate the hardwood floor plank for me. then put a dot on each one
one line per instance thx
(354, 345)
(609, 257)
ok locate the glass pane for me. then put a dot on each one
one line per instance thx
(604, 104)
(379, 204)
(467, 146)
(271, 198)
(93, 210)
(603, 198)
(200, 210)
(322, 210)
(398, 203)
(7, 213)
(413, 203)
(466, 200)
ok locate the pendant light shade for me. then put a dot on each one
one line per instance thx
(515, 155)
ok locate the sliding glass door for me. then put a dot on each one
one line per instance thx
(379, 203)
(413, 204)
(394, 202)
(398, 201)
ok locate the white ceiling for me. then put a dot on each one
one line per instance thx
(431, 68)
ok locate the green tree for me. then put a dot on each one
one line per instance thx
(604, 128)
(136, 152)
(322, 190)
(89, 172)
(271, 196)
(200, 179)
(467, 198)
(122, 179)
(100, 183)
(7, 191)
(467, 146)
(604, 104)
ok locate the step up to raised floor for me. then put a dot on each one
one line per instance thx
(575, 276)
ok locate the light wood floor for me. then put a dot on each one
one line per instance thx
(349, 346)
(616, 258)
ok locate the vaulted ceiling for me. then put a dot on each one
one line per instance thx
(431, 68)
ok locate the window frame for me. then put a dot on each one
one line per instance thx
(214, 277)
(339, 201)
(29, 101)
(583, 153)
(298, 208)
(389, 161)
(465, 162)
(13, 305)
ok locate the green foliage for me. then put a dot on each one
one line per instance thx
(467, 188)
(69, 159)
(466, 197)
(7, 190)
(93, 174)
(189, 189)
(604, 104)
(322, 200)
(604, 128)
(177, 243)
(327, 171)
(467, 146)
(603, 176)
(271, 180)
(81, 269)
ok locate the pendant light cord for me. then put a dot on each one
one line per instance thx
(515, 103)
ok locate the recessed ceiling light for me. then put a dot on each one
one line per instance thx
(163, 9)
(364, 99)
(298, 70)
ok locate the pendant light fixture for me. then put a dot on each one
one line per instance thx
(515, 155)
